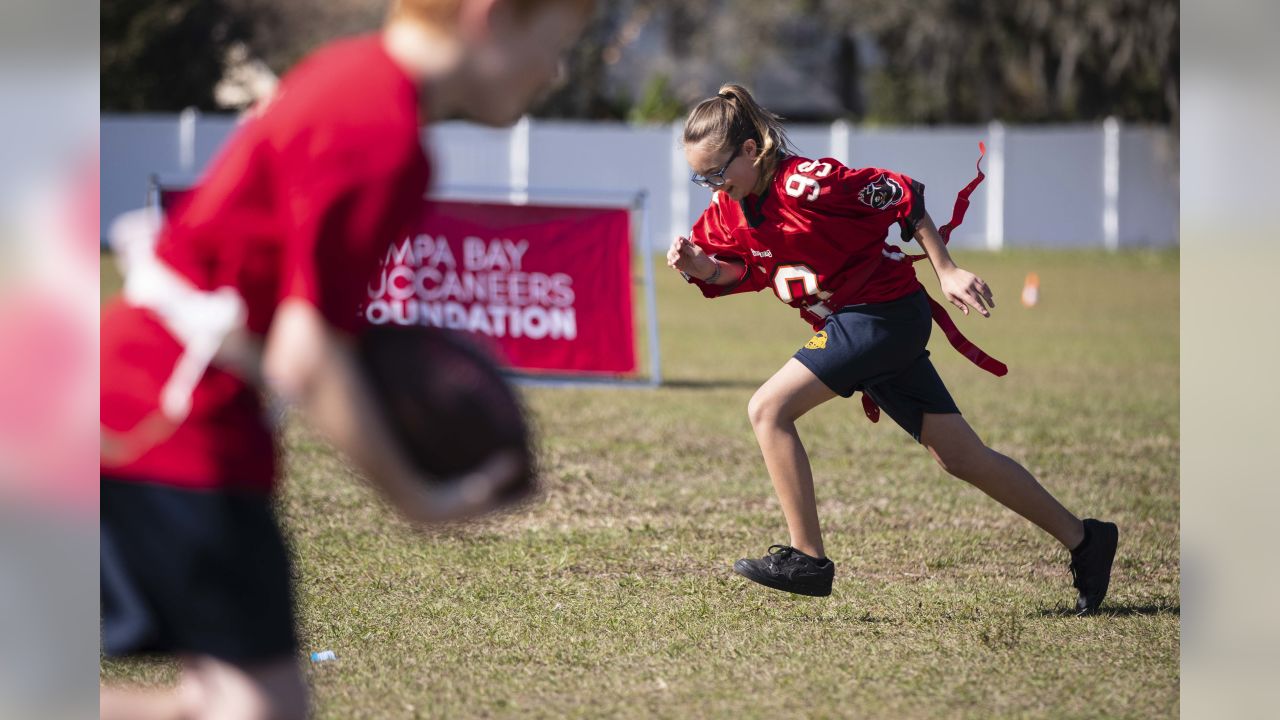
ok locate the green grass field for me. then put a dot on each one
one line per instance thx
(613, 596)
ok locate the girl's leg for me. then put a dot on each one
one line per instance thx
(774, 409)
(960, 451)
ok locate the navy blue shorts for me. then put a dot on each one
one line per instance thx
(879, 348)
(200, 572)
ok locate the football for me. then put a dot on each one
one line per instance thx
(446, 401)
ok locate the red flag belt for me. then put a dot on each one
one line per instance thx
(957, 339)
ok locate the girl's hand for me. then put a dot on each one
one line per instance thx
(963, 289)
(688, 258)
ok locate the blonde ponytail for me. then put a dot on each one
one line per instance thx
(731, 118)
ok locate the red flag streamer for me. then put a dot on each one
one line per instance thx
(940, 316)
(961, 206)
(870, 407)
(957, 339)
(963, 345)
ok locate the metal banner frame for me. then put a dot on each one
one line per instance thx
(636, 202)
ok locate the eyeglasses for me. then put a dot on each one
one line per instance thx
(715, 179)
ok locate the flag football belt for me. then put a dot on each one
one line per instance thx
(957, 339)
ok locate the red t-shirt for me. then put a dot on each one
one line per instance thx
(301, 202)
(817, 234)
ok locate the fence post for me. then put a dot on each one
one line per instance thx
(678, 195)
(995, 185)
(1111, 183)
(187, 139)
(518, 161)
(840, 141)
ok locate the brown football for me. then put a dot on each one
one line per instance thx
(446, 401)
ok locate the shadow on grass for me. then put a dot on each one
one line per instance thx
(1119, 610)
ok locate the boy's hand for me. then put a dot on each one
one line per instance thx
(964, 289)
(688, 258)
(469, 496)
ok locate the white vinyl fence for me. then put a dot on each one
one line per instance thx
(1103, 185)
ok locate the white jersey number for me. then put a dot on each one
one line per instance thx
(817, 168)
(801, 186)
(785, 275)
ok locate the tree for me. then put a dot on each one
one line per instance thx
(927, 61)
(1018, 60)
(165, 55)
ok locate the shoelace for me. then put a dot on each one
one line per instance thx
(778, 553)
(1078, 580)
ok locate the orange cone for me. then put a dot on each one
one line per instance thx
(1031, 290)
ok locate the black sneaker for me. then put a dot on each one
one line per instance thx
(1091, 564)
(786, 568)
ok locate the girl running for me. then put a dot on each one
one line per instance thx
(814, 232)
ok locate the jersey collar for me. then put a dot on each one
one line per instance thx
(753, 207)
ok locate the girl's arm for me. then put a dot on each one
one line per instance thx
(688, 258)
(961, 287)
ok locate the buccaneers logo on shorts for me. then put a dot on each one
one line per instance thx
(881, 193)
(818, 342)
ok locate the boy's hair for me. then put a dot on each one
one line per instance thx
(731, 118)
(441, 13)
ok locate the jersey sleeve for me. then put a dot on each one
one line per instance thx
(876, 195)
(710, 234)
(346, 204)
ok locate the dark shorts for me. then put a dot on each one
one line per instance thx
(879, 348)
(197, 572)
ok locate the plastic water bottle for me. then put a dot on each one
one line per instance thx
(323, 656)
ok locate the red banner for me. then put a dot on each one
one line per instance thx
(548, 287)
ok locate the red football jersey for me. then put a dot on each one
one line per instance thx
(817, 234)
(301, 202)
